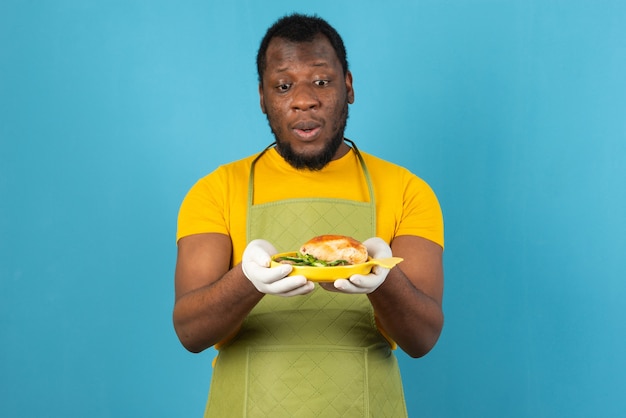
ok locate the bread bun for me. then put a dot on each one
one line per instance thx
(335, 247)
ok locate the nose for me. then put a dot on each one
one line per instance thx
(304, 98)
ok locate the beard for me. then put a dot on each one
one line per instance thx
(317, 161)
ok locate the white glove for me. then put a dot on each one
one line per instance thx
(358, 283)
(272, 281)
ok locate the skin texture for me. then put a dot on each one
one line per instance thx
(304, 93)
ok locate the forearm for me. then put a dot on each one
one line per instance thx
(410, 317)
(211, 313)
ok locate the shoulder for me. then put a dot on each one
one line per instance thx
(217, 184)
(378, 163)
(243, 164)
(228, 172)
(394, 182)
(384, 170)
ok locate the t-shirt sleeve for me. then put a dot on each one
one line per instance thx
(202, 209)
(422, 215)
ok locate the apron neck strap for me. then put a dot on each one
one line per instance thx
(366, 172)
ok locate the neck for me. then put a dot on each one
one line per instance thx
(341, 151)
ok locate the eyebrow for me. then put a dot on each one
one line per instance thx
(315, 64)
(320, 64)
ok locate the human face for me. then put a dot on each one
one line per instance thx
(305, 95)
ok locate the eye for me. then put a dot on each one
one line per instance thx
(322, 83)
(283, 87)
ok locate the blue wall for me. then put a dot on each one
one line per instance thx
(514, 111)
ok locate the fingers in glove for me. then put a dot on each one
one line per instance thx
(346, 286)
(359, 283)
(292, 286)
(267, 275)
(372, 279)
(377, 247)
(260, 252)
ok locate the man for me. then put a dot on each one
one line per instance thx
(289, 347)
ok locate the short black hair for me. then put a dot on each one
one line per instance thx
(298, 27)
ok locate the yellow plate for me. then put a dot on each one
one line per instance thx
(330, 274)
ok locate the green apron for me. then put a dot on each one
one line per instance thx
(319, 355)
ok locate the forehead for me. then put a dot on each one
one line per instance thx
(283, 54)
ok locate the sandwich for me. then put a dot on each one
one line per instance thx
(327, 251)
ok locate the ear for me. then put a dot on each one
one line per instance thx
(261, 98)
(349, 89)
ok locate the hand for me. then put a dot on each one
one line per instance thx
(272, 281)
(358, 283)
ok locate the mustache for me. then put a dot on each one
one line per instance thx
(312, 162)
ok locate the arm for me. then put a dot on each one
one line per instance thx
(211, 300)
(408, 302)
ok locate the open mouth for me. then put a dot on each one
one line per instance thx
(306, 130)
(307, 133)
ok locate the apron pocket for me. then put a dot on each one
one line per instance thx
(297, 381)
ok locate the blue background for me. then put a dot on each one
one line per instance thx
(514, 112)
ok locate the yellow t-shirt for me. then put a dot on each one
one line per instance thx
(405, 204)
